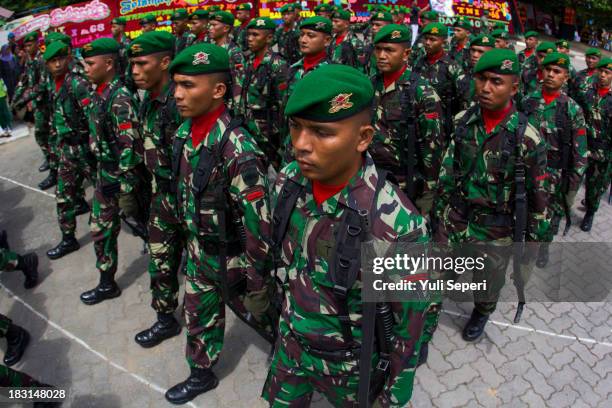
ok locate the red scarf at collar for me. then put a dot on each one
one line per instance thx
(59, 81)
(201, 36)
(540, 75)
(590, 72)
(101, 88)
(603, 91)
(340, 38)
(389, 78)
(460, 46)
(257, 61)
(432, 59)
(549, 97)
(528, 52)
(322, 192)
(494, 118)
(311, 61)
(202, 125)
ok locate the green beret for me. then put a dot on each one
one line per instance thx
(382, 16)
(342, 92)
(342, 15)
(180, 14)
(532, 34)
(224, 17)
(399, 10)
(430, 15)
(148, 19)
(563, 44)
(463, 22)
(54, 36)
(327, 7)
(499, 26)
(200, 14)
(438, 29)
(287, 8)
(150, 43)
(56, 49)
(244, 6)
(593, 51)
(393, 33)
(546, 46)
(119, 21)
(499, 60)
(316, 8)
(33, 36)
(317, 23)
(262, 23)
(214, 8)
(101, 46)
(298, 6)
(557, 58)
(500, 33)
(483, 40)
(605, 63)
(199, 59)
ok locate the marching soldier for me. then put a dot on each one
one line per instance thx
(148, 23)
(597, 105)
(527, 57)
(345, 47)
(180, 23)
(532, 77)
(69, 98)
(117, 145)
(418, 49)
(399, 15)
(118, 31)
(11, 261)
(223, 206)
(287, 35)
(324, 10)
(459, 47)
(561, 124)
(335, 182)
(478, 46)
(408, 139)
(485, 201)
(563, 46)
(243, 15)
(265, 82)
(377, 21)
(585, 78)
(199, 27)
(502, 38)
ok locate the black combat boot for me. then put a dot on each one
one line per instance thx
(17, 340)
(423, 353)
(49, 182)
(81, 207)
(67, 245)
(28, 264)
(200, 381)
(44, 166)
(475, 326)
(543, 256)
(587, 221)
(106, 289)
(164, 328)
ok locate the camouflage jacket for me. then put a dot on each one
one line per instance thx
(389, 144)
(238, 184)
(347, 52)
(236, 60)
(418, 50)
(239, 36)
(545, 118)
(192, 39)
(582, 81)
(115, 138)
(479, 189)
(531, 81)
(31, 86)
(287, 45)
(159, 119)
(310, 309)
(462, 56)
(368, 59)
(598, 116)
(182, 42)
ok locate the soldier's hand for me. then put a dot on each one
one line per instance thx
(257, 303)
(128, 204)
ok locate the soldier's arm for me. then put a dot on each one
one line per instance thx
(534, 151)
(579, 152)
(280, 73)
(238, 62)
(126, 129)
(446, 181)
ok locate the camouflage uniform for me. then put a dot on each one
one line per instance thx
(238, 181)
(239, 34)
(388, 148)
(309, 320)
(160, 119)
(182, 42)
(263, 91)
(237, 73)
(460, 56)
(286, 42)
(8, 260)
(531, 81)
(347, 52)
(582, 81)
(117, 145)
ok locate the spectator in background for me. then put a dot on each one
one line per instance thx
(5, 114)
(9, 69)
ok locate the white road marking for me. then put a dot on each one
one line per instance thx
(27, 187)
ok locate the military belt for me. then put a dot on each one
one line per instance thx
(350, 354)
(467, 213)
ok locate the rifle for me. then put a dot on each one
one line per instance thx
(408, 150)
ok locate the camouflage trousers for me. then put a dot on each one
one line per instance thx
(8, 260)
(74, 167)
(597, 182)
(295, 374)
(105, 225)
(166, 244)
(41, 133)
(13, 378)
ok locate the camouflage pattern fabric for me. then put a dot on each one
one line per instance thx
(347, 52)
(13, 378)
(237, 64)
(460, 56)
(5, 323)
(531, 81)
(582, 82)
(286, 43)
(8, 260)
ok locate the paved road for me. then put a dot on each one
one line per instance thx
(560, 355)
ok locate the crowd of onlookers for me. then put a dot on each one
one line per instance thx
(12, 63)
(600, 38)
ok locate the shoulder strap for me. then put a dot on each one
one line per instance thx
(459, 136)
(290, 191)
(520, 195)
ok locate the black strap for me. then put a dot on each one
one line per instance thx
(104, 120)
(408, 108)
(520, 195)
(565, 138)
(460, 135)
(368, 322)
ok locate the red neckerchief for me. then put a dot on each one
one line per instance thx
(311, 61)
(528, 52)
(540, 75)
(603, 91)
(340, 38)
(322, 192)
(432, 59)
(59, 81)
(390, 78)
(202, 125)
(243, 25)
(257, 61)
(460, 46)
(101, 88)
(201, 36)
(494, 118)
(286, 28)
(590, 72)
(549, 97)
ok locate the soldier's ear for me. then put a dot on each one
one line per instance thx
(219, 90)
(165, 62)
(366, 134)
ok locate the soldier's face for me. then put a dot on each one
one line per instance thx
(197, 94)
(58, 66)
(31, 47)
(605, 77)
(476, 52)
(433, 44)
(531, 42)
(339, 25)
(591, 61)
(198, 26)
(330, 152)
(390, 57)
(425, 21)
(116, 29)
(289, 17)
(217, 29)
(501, 43)
(494, 91)
(399, 18)
(243, 15)
(563, 50)
(180, 26)
(148, 27)
(257, 40)
(148, 71)
(460, 33)
(541, 56)
(554, 77)
(313, 42)
(98, 68)
(377, 25)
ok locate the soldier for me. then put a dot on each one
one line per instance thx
(117, 145)
(563, 46)
(532, 77)
(478, 46)
(502, 38)
(180, 23)
(69, 98)
(223, 206)
(561, 124)
(148, 23)
(243, 15)
(345, 47)
(287, 35)
(470, 207)
(399, 15)
(118, 31)
(11, 261)
(263, 90)
(150, 55)
(324, 10)
(418, 49)
(199, 27)
(585, 78)
(527, 56)
(407, 119)
(597, 105)
(368, 60)
(334, 185)
(459, 49)
(444, 75)
(31, 91)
